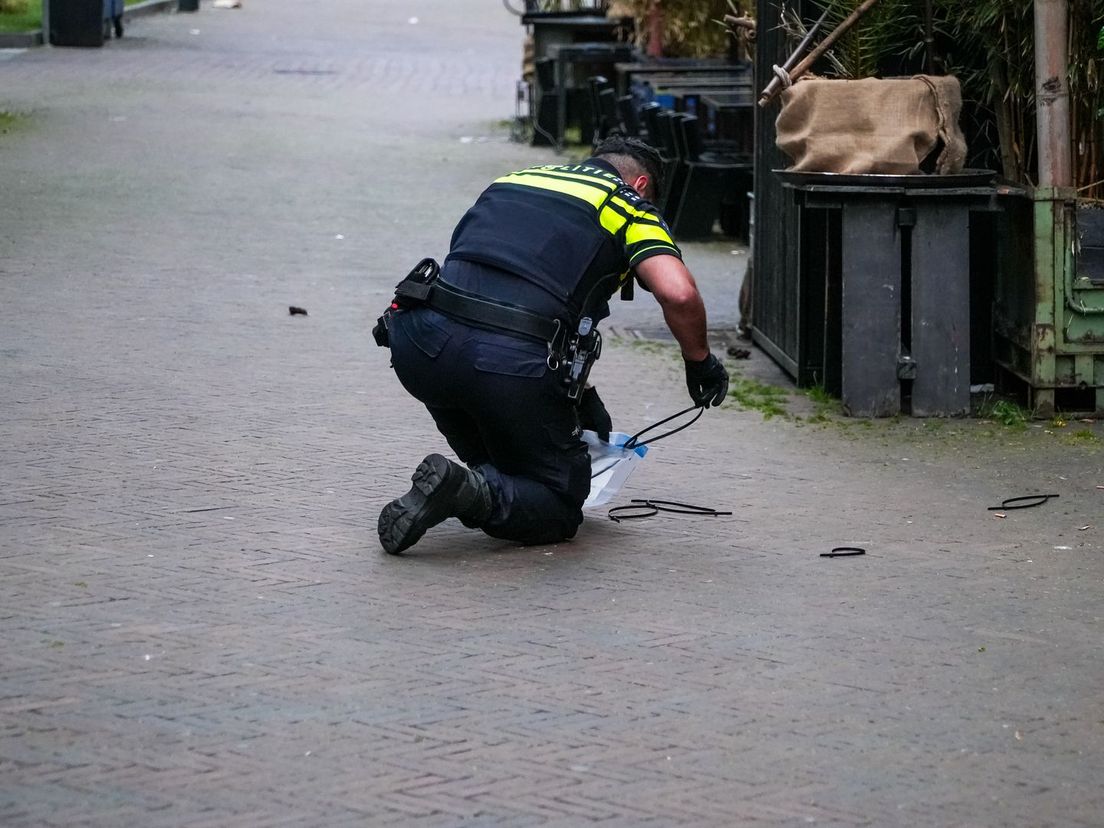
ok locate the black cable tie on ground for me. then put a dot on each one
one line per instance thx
(648, 508)
(1022, 502)
(844, 552)
(645, 511)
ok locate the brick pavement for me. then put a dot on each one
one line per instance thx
(198, 625)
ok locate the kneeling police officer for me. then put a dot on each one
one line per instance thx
(498, 342)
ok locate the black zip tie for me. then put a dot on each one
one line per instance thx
(657, 506)
(634, 441)
(652, 510)
(1036, 500)
(844, 552)
(680, 508)
(632, 444)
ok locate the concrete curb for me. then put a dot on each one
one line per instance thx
(20, 40)
(28, 40)
(149, 7)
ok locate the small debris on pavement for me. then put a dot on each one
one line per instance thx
(999, 515)
(294, 311)
(844, 552)
(739, 353)
(1020, 502)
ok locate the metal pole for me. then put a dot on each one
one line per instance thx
(46, 22)
(1055, 228)
(1052, 92)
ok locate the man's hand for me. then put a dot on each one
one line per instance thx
(707, 381)
(593, 414)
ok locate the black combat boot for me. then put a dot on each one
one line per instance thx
(442, 489)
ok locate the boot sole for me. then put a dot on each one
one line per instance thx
(404, 521)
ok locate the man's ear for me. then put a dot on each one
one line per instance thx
(642, 184)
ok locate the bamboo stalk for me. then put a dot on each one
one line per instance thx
(774, 87)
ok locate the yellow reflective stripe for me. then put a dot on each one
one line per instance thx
(632, 211)
(640, 232)
(611, 220)
(644, 225)
(584, 192)
(666, 248)
(604, 180)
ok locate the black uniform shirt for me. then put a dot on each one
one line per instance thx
(553, 237)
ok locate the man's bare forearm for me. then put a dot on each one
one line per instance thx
(683, 309)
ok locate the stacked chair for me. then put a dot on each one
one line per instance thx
(703, 185)
(710, 185)
(604, 108)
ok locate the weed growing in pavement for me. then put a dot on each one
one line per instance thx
(1082, 435)
(652, 346)
(752, 394)
(825, 406)
(1005, 412)
(10, 120)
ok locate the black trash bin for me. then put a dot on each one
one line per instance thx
(77, 22)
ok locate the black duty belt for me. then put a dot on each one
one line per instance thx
(468, 307)
(574, 350)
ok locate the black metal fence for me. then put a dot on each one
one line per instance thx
(775, 289)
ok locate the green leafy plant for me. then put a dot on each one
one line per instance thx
(20, 15)
(991, 48)
(1005, 412)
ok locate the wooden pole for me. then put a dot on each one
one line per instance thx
(775, 86)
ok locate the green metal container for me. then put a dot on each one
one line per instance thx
(1048, 312)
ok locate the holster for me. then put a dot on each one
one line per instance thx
(581, 349)
(412, 291)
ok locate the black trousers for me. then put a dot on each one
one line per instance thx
(505, 414)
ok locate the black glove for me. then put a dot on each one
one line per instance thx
(593, 414)
(707, 381)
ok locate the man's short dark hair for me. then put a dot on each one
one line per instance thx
(642, 153)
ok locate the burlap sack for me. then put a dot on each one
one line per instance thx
(872, 125)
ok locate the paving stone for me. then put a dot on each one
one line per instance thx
(199, 627)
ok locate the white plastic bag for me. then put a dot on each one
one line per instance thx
(610, 466)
